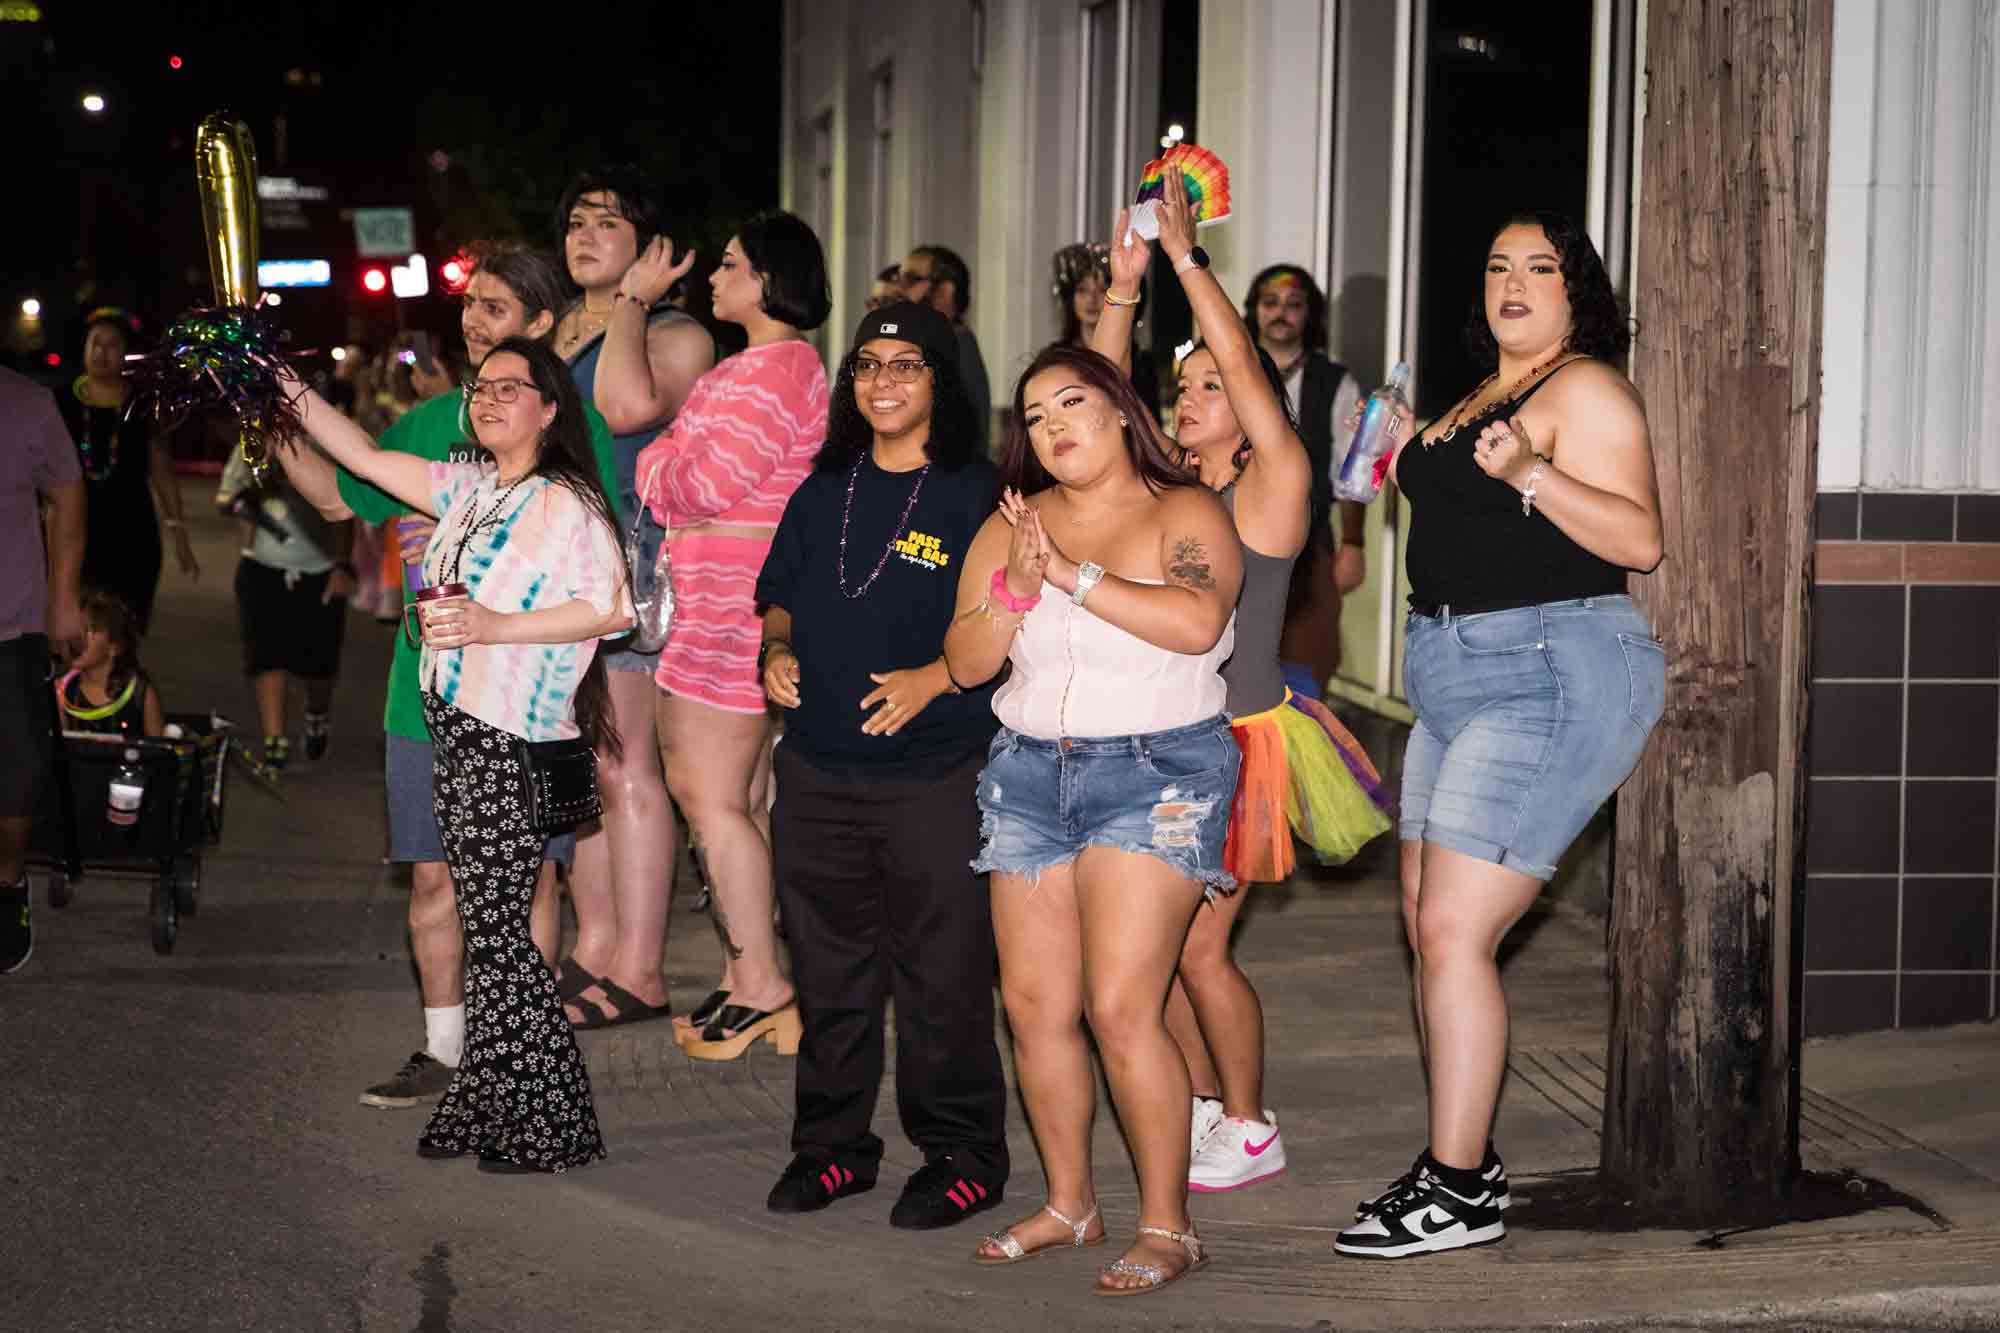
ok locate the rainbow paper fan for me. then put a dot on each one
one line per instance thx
(1207, 180)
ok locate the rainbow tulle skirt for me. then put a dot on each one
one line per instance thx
(1303, 773)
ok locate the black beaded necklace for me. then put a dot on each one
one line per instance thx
(476, 523)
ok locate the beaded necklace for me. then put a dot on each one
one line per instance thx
(847, 512)
(1458, 415)
(99, 457)
(475, 524)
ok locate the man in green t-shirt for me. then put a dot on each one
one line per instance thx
(514, 290)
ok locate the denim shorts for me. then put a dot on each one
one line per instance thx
(413, 829)
(1164, 793)
(1527, 721)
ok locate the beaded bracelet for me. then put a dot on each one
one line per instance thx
(1018, 605)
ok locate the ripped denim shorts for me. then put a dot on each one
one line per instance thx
(1165, 794)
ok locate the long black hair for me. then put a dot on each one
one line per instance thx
(1597, 327)
(1144, 445)
(567, 459)
(954, 438)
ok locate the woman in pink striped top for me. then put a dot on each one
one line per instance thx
(718, 480)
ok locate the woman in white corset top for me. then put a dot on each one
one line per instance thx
(1109, 581)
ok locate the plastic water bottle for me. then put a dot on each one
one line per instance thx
(1361, 472)
(127, 793)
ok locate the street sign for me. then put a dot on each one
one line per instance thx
(380, 233)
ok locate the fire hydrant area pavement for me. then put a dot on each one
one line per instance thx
(184, 1148)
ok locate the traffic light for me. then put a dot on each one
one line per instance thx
(375, 280)
(454, 274)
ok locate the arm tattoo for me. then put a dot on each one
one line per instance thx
(1189, 566)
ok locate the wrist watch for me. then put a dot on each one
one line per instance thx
(1196, 257)
(1087, 575)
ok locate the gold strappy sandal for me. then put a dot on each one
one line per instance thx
(1154, 1276)
(1015, 1252)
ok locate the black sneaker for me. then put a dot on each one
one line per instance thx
(941, 1195)
(421, 1080)
(1492, 1171)
(315, 736)
(1424, 1217)
(277, 754)
(811, 1183)
(17, 927)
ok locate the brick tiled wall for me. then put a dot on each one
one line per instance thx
(1903, 815)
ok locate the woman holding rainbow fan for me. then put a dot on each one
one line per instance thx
(1302, 772)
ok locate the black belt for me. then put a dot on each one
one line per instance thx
(1451, 610)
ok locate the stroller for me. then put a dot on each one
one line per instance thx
(178, 817)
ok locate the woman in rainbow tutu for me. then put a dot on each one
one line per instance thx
(1302, 772)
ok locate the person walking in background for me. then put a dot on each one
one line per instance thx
(935, 275)
(634, 359)
(528, 532)
(1082, 278)
(1288, 311)
(513, 291)
(718, 481)
(292, 588)
(40, 609)
(1535, 678)
(876, 824)
(1109, 581)
(1302, 773)
(886, 289)
(128, 470)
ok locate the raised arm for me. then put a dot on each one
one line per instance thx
(404, 476)
(645, 371)
(1112, 338)
(1273, 495)
(314, 476)
(1201, 556)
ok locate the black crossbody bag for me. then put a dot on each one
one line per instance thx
(561, 780)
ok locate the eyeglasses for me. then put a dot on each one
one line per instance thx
(902, 372)
(500, 391)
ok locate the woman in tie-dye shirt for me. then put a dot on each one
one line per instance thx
(529, 533)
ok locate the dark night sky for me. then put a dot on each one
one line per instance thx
(518, 99)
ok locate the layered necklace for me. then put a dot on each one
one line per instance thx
(476, 523)
(584, 324)
(97, 453)
(1459, 415)
(896, 535)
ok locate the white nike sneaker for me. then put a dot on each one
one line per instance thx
(1207, 1114)
(1238, 1153)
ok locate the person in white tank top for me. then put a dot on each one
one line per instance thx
(1110, 582)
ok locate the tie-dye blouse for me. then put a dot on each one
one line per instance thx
(530, 549)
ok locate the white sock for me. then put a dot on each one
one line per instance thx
(444, 1034)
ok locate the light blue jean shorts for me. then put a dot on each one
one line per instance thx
(1165, 794)
(413, 828)
(1527, 720)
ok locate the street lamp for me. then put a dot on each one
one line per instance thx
(31, 308)
(93, 103)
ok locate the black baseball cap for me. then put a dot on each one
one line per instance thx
(906, 321)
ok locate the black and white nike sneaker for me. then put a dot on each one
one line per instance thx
(1491, 1171)
(1423, 1218)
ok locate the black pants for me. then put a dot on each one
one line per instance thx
(879, 899)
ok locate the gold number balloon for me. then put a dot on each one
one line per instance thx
(225, 171)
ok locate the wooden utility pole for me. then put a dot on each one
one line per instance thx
(1700, 1107)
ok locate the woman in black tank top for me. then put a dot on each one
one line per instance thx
(1534, 678)
(1234, 426)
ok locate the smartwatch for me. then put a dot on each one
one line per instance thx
(1087, 575)
(1196, 257)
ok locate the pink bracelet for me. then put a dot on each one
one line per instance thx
(1020, 606)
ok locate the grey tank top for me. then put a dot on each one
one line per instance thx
(1252, 674)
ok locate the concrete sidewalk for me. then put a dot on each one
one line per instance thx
(276, 1202)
